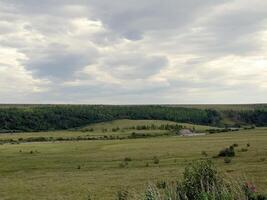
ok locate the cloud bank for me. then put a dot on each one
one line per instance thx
(129, 52)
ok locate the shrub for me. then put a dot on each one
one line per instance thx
(262, 197)
(248, 145)
(122, 195)
(235, 145)
(227, 152)
(152, 193)
(201, 181)
(161, 184)
(204, 153)
(127, 159)
(123, 164)
(156, 160)
(244, 150)
(227, 160)
(201, 176)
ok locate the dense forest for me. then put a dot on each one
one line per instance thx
(55, 117)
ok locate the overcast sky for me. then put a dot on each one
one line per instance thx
(133, 51)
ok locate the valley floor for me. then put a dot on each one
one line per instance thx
(76, 169)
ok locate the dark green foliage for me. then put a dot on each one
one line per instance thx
(38, 118)
(235, 145)
(156, 160)
(204, 153)
(201, 181)
(262, 197)
(200, 177)
(127, 159)
(227, 152)
(122, 195)
(161, 184)
(244, 150)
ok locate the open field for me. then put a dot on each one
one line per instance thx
(126, 127)
(73, 169)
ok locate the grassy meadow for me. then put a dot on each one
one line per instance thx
(76, 169)
(126, 128)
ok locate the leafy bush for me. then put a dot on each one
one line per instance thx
(227, 152)
(235, 145)
(244, 150)
(122, 195)
(161, 184)
(127, 159)
(201, 181)
(204, 153)
(156, 160)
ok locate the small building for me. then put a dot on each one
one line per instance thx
(188, 132)
(185, 132)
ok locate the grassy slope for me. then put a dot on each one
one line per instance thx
(125, 123)
(51, 172)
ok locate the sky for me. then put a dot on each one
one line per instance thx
(133, 52)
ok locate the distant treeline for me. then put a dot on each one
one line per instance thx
(55, 117)
(70, 116)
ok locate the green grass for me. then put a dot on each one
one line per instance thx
(51, 170)
(125, 126)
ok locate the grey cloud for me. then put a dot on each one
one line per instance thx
(138, 41)
(133, 66)
(132, 19)
(61, 65)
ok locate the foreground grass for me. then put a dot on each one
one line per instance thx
(72, 170)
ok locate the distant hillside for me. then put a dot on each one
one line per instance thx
(56, 117)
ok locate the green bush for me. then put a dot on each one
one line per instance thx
(123, 195)
(127, 159)
(244, 150)
(201, 181)
(156, 160)
(204, 153)
(227, 152)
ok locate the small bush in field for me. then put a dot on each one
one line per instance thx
(244, 150)
(262, 159)
(204, 153)
(227, 160)
(79, 167)
(161, 184)
(127, 159)
(235, 145)
(156, 160)
(122, 195)
(227, 152)
(123, 164)
(147, 164)
(248, 145)
(201, 181)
